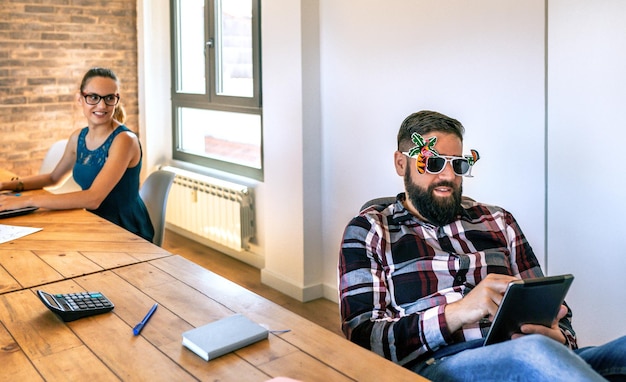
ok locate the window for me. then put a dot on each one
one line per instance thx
(216, 85)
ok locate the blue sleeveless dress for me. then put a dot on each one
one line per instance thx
(123, 206)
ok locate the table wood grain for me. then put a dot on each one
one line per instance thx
(71, 243)
(78, 251)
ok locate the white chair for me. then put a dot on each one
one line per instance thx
(154, 193)
(53, 156)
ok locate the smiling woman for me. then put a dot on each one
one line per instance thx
(105, 158)
(102, 75)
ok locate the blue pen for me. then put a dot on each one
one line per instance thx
(137, 329)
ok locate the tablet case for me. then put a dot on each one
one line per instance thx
(529, 301)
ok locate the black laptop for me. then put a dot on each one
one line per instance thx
(17, 212)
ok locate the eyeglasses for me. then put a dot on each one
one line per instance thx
(436, 163)
(94, 99)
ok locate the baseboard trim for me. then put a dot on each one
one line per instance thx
(331, 293)
(247, 257)
(288, 287)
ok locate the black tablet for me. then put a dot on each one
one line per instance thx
(16, 212)
(530, 301)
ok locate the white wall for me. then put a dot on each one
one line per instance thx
(339, 76)
(292, 176)
(480, 62)
(155, 118)
(586, 183)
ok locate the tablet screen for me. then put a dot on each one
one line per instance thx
(530, 301)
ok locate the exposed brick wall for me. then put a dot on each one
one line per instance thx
(45, 48)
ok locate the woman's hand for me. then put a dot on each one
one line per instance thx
(11, 202)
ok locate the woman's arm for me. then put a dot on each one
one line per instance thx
(124, 153)
(60, 171)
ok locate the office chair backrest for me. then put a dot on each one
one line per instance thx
(53, 156)
(385, 200)
(154, 193)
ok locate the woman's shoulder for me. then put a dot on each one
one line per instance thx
(121, 128)
(73, 138)
(124, 130)
(74, 135)
(124, 136)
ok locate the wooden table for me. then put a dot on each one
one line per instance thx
(78, 251)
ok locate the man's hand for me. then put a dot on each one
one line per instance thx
(553, 332)
(482, 301)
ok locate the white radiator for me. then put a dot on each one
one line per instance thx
(219, 211)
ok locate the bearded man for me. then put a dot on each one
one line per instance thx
(421, 279)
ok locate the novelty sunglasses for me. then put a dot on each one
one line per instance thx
(436, 163)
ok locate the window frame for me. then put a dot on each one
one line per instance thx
(210, 100)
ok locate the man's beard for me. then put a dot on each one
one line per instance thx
(438, 211)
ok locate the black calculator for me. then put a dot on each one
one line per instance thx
(72, 306)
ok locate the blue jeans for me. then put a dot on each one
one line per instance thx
(531, 358)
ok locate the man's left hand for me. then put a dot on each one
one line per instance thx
(553, 332)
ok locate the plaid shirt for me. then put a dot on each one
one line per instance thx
(397, 273)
